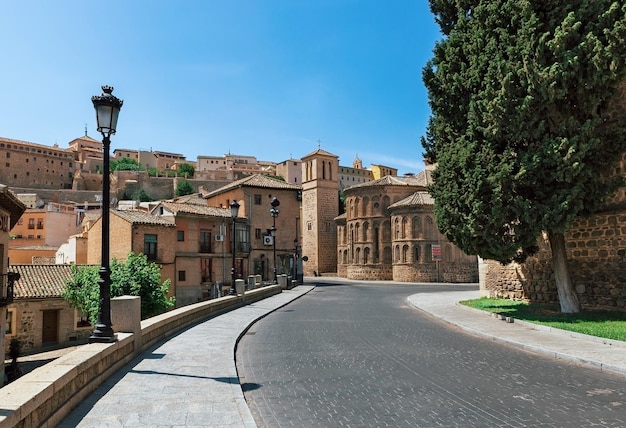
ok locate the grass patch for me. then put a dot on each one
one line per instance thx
(595, 322)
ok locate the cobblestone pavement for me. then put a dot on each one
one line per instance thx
(358, 355)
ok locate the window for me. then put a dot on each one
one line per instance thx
(10, 322)
(150, 247)
(257, 233)
(181, 275)
(31, 223)
(82, 319)
(257, 199)
(180, 235)
(205, 241)
(40, 223)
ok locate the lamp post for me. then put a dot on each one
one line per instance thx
(234, 210)
(274, 213)
(107, 108)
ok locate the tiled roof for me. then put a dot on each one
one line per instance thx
(416, 199)
(142, 217)
(40, 281)
(421, 179)
(194, 198)
(319, 152)
(11, 140)
(256, 180)
(203, 210)
(92, 215)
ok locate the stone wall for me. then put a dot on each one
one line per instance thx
(375, 272)
(456, 272)
(596, 252)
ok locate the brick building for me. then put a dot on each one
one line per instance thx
(36, 166)
(139, 232)
(389, 233)
(255, 249)
(203, 255)
(320, 206)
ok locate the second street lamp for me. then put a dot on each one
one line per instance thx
(107, 110)
(234, 211)
(274, 213)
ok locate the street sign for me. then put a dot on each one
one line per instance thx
(436, 252)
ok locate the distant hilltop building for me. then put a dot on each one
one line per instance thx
(349, 176)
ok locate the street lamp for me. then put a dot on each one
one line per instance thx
(234, 210)
(274, 213)
(107, 108)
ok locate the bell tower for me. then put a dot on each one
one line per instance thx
(320, 206)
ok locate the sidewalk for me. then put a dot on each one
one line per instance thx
(605, 354)
(188, 380)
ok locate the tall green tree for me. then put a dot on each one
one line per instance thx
(136, 276)
(523, 127)
(185, 170)
(184, 188)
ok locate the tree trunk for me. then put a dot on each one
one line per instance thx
(567, 294)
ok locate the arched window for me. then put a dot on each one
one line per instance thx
(357, 258)
(386, 231)
(405, 254)
(416, 227)
(365, 230)
(396, 229)
(397, 253)
(356, 232)
(416, 254)
(429, 229)
(323, 170)
(366, 255)
(403, 229)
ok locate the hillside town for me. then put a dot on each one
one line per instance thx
(332, 220)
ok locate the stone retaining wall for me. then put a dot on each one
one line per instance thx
(43, 397)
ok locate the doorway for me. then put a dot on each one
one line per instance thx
(50, 328)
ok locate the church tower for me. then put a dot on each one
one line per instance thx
(320, 206)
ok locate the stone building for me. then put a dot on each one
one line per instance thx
(389, 233)
(11, 208)
(39, 317)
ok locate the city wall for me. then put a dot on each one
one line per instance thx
(596, 252)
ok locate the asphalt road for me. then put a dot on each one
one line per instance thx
(357, 355)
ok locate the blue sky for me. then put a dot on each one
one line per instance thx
(267, 78)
